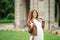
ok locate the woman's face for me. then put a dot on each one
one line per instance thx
(34, 14)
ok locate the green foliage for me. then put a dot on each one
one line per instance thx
(10, 16)
(56, 12)
(6, 7)
(56, 19)
(6, 21)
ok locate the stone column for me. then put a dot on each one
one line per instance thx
(20, 13)
(52, 13)
(43, 11)
(31, 4)
(34, 4)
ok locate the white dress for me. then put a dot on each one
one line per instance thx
(40, 33)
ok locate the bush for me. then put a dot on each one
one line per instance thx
(6, 21)
(10, 16)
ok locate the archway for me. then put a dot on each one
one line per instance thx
(57, 11)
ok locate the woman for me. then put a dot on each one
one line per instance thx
(35, 26)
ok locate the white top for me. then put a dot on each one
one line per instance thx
(38, 24)
(40, 33)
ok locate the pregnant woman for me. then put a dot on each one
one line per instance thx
(35, 26)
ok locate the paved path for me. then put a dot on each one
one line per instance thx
(10, 27)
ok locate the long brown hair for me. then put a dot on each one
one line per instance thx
(30, 15)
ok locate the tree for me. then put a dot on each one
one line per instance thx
(6, 7)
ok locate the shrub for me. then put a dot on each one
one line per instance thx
(10, 16)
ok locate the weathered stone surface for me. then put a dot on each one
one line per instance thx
(40, 6)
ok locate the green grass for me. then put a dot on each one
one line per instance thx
(50, 36)
(16, 35)
(13, 35)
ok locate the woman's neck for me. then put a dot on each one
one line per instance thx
(34, 18)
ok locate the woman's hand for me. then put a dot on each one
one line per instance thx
(31, 24)
(39, 17)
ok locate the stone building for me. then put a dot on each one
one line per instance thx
(45, 8)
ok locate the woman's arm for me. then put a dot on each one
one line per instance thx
(30, 26)
(43, 21)
(40, 18)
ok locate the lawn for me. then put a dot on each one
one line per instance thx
(50, 36)
(16, 35)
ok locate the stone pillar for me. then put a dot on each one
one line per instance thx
(20, 13)
(52, 13)
(34, 4)
(43, 11)
(31, 4)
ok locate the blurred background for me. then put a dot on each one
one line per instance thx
(14, 13)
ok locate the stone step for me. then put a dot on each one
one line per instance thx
(56, 33)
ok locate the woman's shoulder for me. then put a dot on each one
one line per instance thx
(40, 19)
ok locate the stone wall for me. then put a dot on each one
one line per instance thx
(41, 6)
(43, 11)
